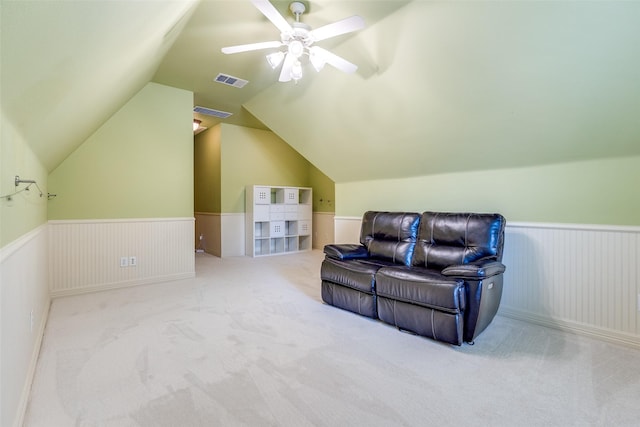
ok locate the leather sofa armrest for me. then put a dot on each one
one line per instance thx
(345, 252)
(475, 270)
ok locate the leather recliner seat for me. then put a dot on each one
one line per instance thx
(348, 271)
(436, 274)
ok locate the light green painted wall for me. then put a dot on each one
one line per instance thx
(207, 170)
(324, 194)
(27, 210)
(138, 164)
(253, 157)
(589, 192)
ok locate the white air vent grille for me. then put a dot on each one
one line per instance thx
(230, 80)
(211, 112)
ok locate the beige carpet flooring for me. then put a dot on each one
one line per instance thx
(248, 342)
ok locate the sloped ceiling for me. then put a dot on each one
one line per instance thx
(195, 59)
(67, 66)
(457, 86)
(441, 87)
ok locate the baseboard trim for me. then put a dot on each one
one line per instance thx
(119, 285)
(627, 340)
(21, 411)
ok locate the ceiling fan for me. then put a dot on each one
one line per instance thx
(298, 39)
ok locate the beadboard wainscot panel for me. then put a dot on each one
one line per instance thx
(85, 255)
(323, 229)
(579, 278)
(24, 302)
(347, 229)
(232, 229)
(209, 233)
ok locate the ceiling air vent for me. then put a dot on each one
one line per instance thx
(211, 112)
(230, 80)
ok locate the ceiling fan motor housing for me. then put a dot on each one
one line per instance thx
(301, 33)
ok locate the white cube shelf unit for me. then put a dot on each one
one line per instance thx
(278, 220)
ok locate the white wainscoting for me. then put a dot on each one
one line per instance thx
(24, 307)
(232, 229)
(583, 278)
(579, 278)
(347, 229)
(84, 256)
(224, 234)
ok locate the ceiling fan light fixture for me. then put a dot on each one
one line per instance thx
(296, 48)
(275, 59)
(296, 71)
(297, 39)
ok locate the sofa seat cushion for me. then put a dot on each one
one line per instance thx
(421, 287)
(355, 274)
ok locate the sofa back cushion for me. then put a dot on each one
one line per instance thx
(390, 236)
(448, 239)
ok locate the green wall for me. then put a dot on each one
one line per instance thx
(138, 164)
(254, 156)
(26, 210)
(324, 193)
(207, 169)
(229, 157)
(589, 192)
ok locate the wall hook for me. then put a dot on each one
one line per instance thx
(19, 181)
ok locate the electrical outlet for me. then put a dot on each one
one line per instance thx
(31, 320)
(638, 302)
(124, 261)
(133, 261)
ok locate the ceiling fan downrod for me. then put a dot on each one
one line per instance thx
(297, 8)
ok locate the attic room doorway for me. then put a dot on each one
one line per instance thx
(227, 159)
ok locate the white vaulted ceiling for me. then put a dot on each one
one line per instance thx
(441, 87)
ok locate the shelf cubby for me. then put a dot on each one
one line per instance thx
(278, 220)
(277, 245)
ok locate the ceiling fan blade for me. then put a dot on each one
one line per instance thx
(347, 25)
(285, 74)
(250, 46)
(335, 60)
(273, 15)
